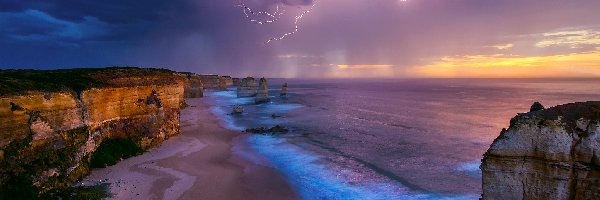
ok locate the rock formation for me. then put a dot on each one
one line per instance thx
(247, 88)
(236, 81)
(216, 82)
(262, 94)
(536, 106)
(193, 87)
(550, 153)
(52, 122)
(283, 90)
(225, 82)
(211, 82)
(237, 109)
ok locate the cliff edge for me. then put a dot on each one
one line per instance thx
(551, 153)
(52, 123)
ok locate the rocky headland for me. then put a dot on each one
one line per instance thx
(216, 82)
(551, 153)
(54, 122)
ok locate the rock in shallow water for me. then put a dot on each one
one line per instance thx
(263, 130)
(237, 109)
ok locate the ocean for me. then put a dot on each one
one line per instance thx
(390, 138)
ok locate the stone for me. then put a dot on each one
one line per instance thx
(536, 107)
(237, 109)
(283, 90)
(546, 154)
(262, 95)
(247, 88)
(272, 130)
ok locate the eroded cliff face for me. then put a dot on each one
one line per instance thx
(47, 138)
(247, 88)
(262, 94)
(193, 87)
(551, 153)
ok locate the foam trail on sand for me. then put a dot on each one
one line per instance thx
(305, 170)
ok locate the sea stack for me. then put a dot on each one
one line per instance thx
(283, 90)
(247, 88)
(262, 95)
(546, 154)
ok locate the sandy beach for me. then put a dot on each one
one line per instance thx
(200, 163)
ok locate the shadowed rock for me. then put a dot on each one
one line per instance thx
(284, 89)
(237, 109)
(536, 106)
(263, 130)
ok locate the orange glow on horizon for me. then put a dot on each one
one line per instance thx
(508, 66)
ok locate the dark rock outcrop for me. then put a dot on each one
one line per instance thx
(550, 153)
(237, 109)
(536, 106)
(284, 89)
(272, 130)
(262, 95)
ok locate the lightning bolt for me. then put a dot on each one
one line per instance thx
(296, 24)
(273, 17)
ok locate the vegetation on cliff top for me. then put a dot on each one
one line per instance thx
(19, 81)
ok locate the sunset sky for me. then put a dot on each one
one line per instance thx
(336, 39)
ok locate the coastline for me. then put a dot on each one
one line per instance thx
(203, 162)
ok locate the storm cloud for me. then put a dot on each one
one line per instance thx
(213, 36)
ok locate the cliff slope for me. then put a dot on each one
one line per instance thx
(550, 153)
(52, 122)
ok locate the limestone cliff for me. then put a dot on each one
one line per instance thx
(225, 82)
(193, 87)
(550, 153)
(262, 94)
(50, 127)
(216, 82)
(247, 88)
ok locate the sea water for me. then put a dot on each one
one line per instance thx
(389, 139)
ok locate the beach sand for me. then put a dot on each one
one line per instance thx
(206, 161)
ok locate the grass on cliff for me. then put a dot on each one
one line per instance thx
(113, 150)
(19, 81)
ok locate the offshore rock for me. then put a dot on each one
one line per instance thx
(237, 109)
(283, 90)
(552, 153)
(247, 88)
(262, 95)
(263, 130)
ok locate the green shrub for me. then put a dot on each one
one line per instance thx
(114, 149)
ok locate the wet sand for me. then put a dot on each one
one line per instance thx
(200, 163)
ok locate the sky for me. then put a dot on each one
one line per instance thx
(334, 39)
